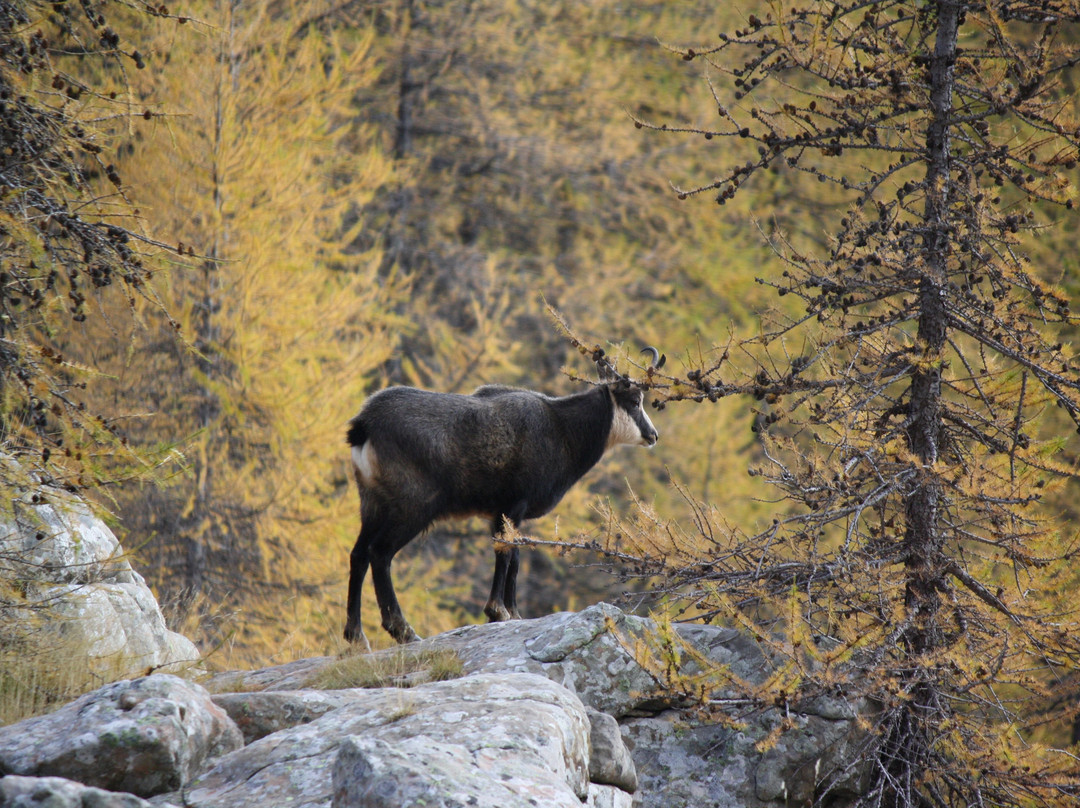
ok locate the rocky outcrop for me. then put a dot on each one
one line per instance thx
(591, 653)
(78, 579)
(497, 724)
(552, 712)
(147, 736)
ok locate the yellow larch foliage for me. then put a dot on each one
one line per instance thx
(284, 316)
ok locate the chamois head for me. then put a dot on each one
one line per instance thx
(630, 424)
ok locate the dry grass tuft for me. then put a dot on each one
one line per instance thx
(38, 676)
(396, 667)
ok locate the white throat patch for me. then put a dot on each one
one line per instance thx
(625, 430)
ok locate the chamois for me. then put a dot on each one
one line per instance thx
(501, 452)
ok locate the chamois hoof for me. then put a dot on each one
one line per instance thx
(355, 636)
(497, 613)
(402, 632)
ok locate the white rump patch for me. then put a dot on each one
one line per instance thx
(625, 430)
(367, 466)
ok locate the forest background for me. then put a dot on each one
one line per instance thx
(223, 226)
(362, 194)
(390, 193)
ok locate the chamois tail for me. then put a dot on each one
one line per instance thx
(357, 435)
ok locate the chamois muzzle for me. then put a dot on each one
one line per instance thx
(648, 432)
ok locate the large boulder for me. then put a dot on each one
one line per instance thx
(81, 588)
(146, 737)
(592, 653)
(482, 738)
(258, 714)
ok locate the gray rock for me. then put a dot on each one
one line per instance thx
(120, 626)
(146, 736)
(293, 675)
(610, 762)
(260, 714)
(420, 770)
(503, 722)
(85, 587)
(590, 653)
(608, 797)
(56, 792)
(682, 764)
(60, 539)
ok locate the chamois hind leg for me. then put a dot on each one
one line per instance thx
(502, 604)
(382, 552)
(358, 566)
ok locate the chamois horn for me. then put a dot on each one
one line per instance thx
(657, 360)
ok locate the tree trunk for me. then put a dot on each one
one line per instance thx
(908, 755)
(922, 538)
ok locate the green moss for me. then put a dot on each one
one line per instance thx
(128, 738)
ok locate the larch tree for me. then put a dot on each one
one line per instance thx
(286, 322)
(76, 256)
(72, 243)
(909, 403)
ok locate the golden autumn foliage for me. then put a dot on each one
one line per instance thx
(283, 320)
(71, 242)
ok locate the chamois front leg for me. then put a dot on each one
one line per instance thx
(510, 587)
(502, 604)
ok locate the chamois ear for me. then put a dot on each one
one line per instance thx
(606, 372)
